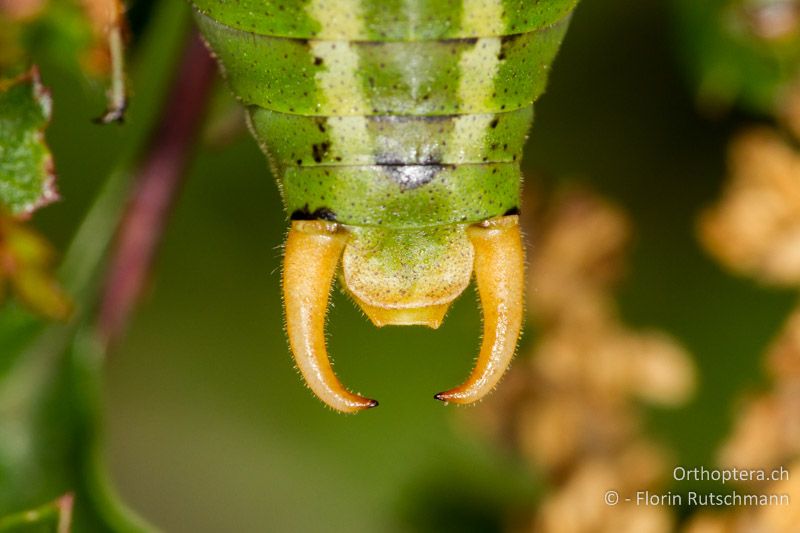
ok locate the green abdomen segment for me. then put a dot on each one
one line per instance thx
(400, 113)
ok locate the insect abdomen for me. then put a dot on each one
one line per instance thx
(394, 113)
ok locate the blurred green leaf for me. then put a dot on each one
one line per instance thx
(27, 181)
(58, 31)
(83, 36)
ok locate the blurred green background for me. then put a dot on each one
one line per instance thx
(209, 427)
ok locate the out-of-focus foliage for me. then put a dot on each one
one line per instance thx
(27, 181)
(753, 59)
(71, 33)
(50, 374)
(86, 36)
(741, 51)
(61, 30)
(48, 421)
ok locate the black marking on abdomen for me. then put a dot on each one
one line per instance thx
(323, 213)
(319, 151)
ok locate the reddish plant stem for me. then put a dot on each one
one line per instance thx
(65, 505)
(156, 186)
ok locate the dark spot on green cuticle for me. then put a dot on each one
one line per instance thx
(493, 124)
(472, 41)
(317, 61)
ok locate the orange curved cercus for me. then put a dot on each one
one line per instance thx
(499, 272)
(312, 253)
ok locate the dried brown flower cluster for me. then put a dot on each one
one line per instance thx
(766, 436)
(755, 228)
(767, 433)
(571, 408)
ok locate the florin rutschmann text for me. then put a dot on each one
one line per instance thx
(735, 498)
